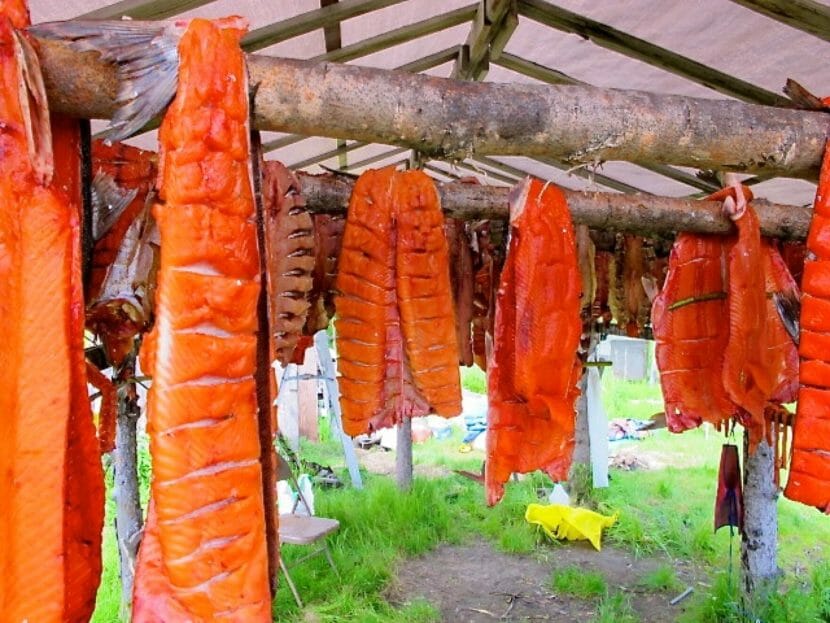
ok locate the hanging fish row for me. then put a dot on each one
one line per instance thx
(177, 249)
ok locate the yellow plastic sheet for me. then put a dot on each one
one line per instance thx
(567, 522)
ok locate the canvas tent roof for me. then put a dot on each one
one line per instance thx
(658, 50)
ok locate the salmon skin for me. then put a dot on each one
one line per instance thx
(461, 279)
(809, 481)
(122, 172)
(396, 334)
(488, 258)
(290, 256)
(206, 552)
(535, 366)
(51, 481)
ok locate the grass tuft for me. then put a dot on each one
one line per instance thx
(474, 379)
(579, 582)
(615, 609)
(663, 578)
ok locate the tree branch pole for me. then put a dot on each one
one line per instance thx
(128, 517)
(449, 119)
(635, 213)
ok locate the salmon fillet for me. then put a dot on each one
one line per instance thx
(690, 321)
(51, 481)
(290, 256)
(202, 411)
(396, 335)
(809, 481)
(461, 279)
(748, 374)
(535, 367)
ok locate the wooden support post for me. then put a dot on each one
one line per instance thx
(449, 119)
(128, 517)
(760, 542)
(403, 454)
(579, 476)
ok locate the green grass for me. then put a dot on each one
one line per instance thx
(615, 609)
(579, 582)
(666, 511)
(474, 379)
(662, 579)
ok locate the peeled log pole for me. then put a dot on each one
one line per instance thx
(642, 214)
(453, 119)
(760, 541)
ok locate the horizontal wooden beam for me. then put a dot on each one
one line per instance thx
(807, 15)
(449, 119)
(144, 9)
(643, 214)
(618, 41)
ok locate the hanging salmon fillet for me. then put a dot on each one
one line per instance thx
(809, 480)
(690, 321)
(290, 254)
(397, 351)
(461, 279)
(202, 414)
(748, 368)
(51, 481)
(534, 370)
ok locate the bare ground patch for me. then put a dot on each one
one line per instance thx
(473, 583)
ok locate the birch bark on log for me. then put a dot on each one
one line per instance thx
(450, 119)
(128, 516)
(579, 476)
(760, 542)
(403, 454)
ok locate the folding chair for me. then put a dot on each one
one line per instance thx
(302, 530)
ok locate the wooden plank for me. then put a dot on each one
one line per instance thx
(618, 41)
(143, 9)
(400, 35)
(642, 214)
(373, 159)
(331, 33)
(309, 21)
(806, 15)
(332, 391)
(428, 62)
(338, 151)
(491, 22)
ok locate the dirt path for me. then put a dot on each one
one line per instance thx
(473, 583)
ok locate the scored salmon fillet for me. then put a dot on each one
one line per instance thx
(51, 481)
(809, 480)
(396, 332)
(534, 369)
(211, 557)
(690, 321)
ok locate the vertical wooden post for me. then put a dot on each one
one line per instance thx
(760, 540)
(128, 519)
(579, 476)
(403, 458)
